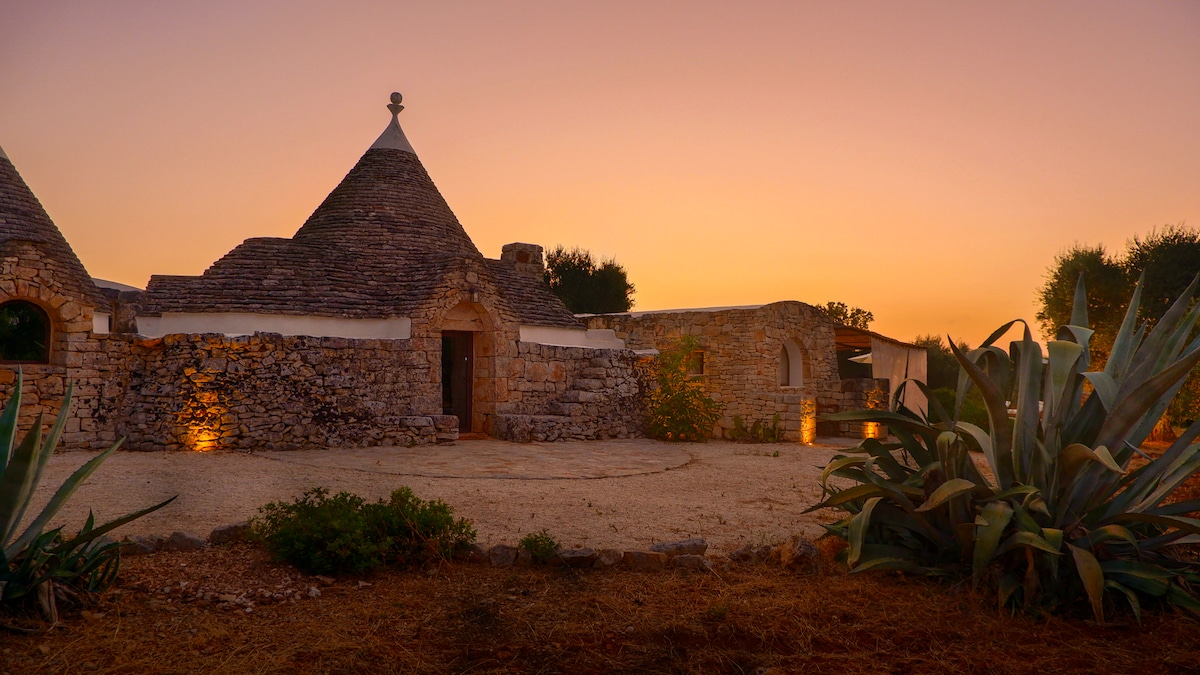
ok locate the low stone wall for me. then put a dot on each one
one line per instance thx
(99, 369)
(741, 351)
(267, 391)
(572, 393)
(852, 394)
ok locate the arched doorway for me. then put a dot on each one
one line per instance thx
(794, 365)
(467, 366)
(24, 333)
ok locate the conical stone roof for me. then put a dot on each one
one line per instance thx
(23, 219)
(375, 248)
(388, 198)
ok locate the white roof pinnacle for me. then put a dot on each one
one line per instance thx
(393, 136)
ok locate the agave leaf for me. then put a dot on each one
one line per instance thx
(59, 499)
(1147, 358)
(1008, 586)
(1063, 358)
(1106, 534)
(88, 534)
(1077, 333)
(882, 455)
(997, 416)
(1029, 387)
(837, 464)
(1027, 539)
(945, 492)
(1024, 521)
(1189, 525)
(1152, 587)
(847, 495)
(1172, 538)
(1133, 407)
(8, 423)
(1136, 568)
(1075, 455)
(1105, 387)
(1092, 576)
(900, 564)
(1079, 313)
(44, 454)
(916, 445)
(1176, 474)
(995, 517)
(17, 482)
(1176, 508)
(1014, 491)
(1130, 597)
(1037, 505)
(1180, 598)
(1126, 341)
(858, 531)
(1054, 537)
(1144, 480)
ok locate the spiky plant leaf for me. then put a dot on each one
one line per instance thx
(1062, 473)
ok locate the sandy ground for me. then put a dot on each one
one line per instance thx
(619, 494)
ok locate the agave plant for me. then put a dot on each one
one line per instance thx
(35, 562)
(1054, 512)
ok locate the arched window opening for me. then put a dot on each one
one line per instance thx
(24, 333)
(794, 365)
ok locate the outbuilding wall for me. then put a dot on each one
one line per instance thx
(742, 355)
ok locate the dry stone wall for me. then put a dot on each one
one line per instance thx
(571, 393)
(267, 391)
(741, 353)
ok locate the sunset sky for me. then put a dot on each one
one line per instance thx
(923, 160)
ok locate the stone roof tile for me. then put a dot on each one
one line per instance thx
(22, 218)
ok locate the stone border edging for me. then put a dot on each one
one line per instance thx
(796, 554)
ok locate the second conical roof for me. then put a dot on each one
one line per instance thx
(22, 218)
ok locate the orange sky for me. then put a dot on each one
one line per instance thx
(921, 160)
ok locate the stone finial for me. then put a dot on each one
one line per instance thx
(393, 136)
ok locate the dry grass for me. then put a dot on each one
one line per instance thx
(473, 618)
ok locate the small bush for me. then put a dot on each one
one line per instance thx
(344, 533)
(974, 410)
(679, 410)
(759, 431)
(541, 546)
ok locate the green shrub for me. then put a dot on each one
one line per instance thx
(759, 431)
(973, 410)
(1062, 519)
(346, 534)
(679, 410)
(541, 546)
(38, 565)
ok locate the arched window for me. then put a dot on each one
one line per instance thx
(794, 366)
(24, 333)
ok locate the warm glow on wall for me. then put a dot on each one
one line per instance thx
(808, 421)
(202, 439)
(873, 430)
(200, 421)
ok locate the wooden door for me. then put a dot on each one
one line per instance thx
(458, 354)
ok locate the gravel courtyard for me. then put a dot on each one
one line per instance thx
(619, 493)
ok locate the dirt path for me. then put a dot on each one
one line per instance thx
(624, 494)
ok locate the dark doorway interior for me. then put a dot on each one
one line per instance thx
(458, 350)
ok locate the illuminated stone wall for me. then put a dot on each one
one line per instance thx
(742, 355)
(266, 391)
